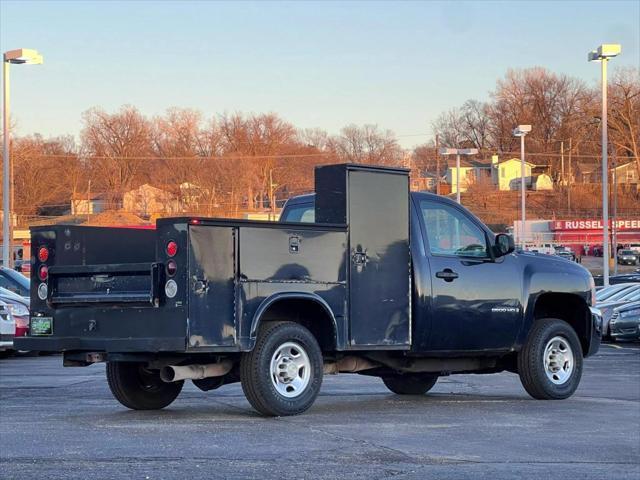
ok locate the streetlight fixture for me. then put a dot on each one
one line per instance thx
(15, 57)
(602, 55)
(457, 152)
(521, 131)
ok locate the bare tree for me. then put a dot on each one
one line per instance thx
(624, 120)
(117, 144)
(366, 144)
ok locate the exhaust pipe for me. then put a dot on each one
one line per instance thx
(175, 373)
(349, 365)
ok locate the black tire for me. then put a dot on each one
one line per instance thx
(256, 375)
(531, 361)
(137, 388)
(410, 384)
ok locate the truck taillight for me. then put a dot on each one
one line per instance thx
(43, 273)
(43, 254)
(172, 248)
(172, 268)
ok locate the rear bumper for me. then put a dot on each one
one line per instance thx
(63, 344)
(6, 345)
(596, 332)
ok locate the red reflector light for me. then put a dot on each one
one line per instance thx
(43, 273)
(172, 268)
(172, 248)
(43, 254)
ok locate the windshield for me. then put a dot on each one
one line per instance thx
(14, 282)
(627, 252)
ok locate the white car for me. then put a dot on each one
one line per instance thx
(7, 329)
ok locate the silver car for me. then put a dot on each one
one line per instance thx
(625, 322)
(617, 300)
(7, 329)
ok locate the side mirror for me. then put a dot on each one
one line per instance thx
(504, 245)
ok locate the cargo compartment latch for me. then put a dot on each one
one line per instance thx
(200, 286)
(294, 244)
(360, 259)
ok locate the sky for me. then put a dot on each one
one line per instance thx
(317, 64)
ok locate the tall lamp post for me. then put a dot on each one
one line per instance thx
(457, 152)
(15, 57)
(521, 131)
(602, 55)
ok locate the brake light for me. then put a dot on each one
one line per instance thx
(43, 254)
(172, 248)
(43, 273)
(22, 326)
(172, 268)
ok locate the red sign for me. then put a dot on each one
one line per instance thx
(627, 224)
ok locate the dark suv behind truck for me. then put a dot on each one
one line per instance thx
(362, 277)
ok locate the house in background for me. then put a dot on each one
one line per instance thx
(83, 204)
(147, 200)
(627, 174)
(509, 174)
(424, 182)
(471, 172)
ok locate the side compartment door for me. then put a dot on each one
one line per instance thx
(211, 285)
(379, 268)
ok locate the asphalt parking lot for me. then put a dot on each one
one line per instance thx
(63, 423)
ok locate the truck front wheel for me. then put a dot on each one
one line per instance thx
(139, 388)
(410, 384)
(550, 363)
(282, 375)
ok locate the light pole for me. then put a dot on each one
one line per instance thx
(16, 57)
(521, 131)
(457, 152)
(602, 55)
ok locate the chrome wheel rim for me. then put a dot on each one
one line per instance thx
(290, 369)
(558, 360)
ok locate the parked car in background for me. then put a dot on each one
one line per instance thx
(628, 257)
(618, 279)
(625, 322)
(565, 253)
(7, 330)
(606, 292)
(19, 308)
(14, 282)
(617, 300)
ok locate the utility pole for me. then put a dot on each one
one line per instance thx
(562, 161)
(437, 167)
(272, 199)
(614, 224)
(89, 203)
(570, 180)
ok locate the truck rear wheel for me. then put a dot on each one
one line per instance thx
(410, 384)
(550, 363)
(139, 388)
(282, 375)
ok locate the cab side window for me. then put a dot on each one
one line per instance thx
(450, 232)
(304, 213)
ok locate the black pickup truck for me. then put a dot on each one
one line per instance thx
(363, 276)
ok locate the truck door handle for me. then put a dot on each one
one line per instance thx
(447, 275)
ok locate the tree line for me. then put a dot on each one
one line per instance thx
(240, 161)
